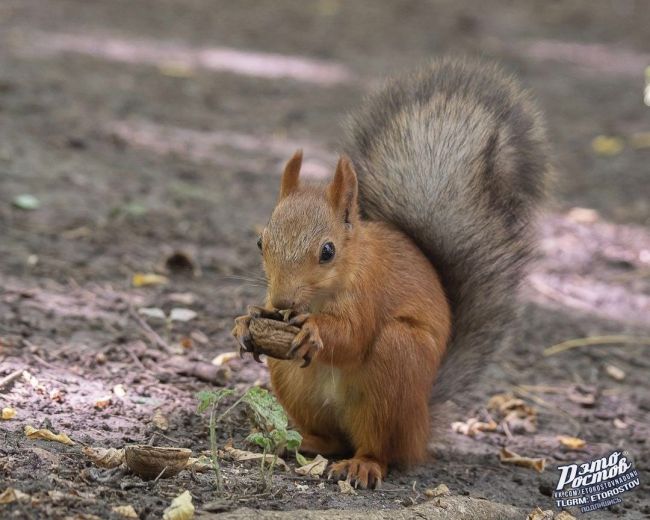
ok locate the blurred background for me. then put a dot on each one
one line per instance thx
(141, 144)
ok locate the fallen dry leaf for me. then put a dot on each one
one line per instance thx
(125, 511)
(8, 413)
(607, 145)
(186, 298)
(224, 357)
(516, 404)
(47, 435)
(181, 508)
(153, 313)
(509, 457)
(346, 488)
(473, 426)
(10, 495)
(505, 403)
(143, 279)
(160, 421)
(520, 421)
(105, 457)
(496, 401)
(615, 373)
(103, 402)
(182, 314)
(573, 443)
(199, 464)
(538, 514)
(439, 491)
(621, 425)
(315, 468)
(244, 456)
(583, 396)
(199, 337)
(515, 414)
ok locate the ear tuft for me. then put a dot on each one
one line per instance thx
(291, 173)
(342, 191)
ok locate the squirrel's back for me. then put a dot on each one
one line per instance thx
(455, 157)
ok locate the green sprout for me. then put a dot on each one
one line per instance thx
(269, 420)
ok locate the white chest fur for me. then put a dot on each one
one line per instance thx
(328, 387)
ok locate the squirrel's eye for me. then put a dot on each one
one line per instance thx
(259, 243)
(327, 252)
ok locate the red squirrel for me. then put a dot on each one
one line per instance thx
(402, 271)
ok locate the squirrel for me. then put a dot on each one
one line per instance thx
(402, 272)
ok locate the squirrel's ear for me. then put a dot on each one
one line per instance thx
(342, 191)
(291, 173)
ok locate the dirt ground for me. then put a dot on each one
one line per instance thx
(142, 132)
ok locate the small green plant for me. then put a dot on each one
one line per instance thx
(273, 434)
(269, 420)
(210, 400)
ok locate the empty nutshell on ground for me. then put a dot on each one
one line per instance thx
(149, 461)
(272, 337)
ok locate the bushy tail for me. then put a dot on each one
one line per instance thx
(455, 157)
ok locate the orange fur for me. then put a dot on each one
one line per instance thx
(379, 323)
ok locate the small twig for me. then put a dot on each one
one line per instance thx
(214, 452)
(43, 362)
(158, 434)
(159, 475)
(135, 359)
(7, 380)
(506, 430)
(596, 340)
(544, 389)
(151, 334)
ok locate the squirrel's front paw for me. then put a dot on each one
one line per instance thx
(307, 342)
(242, 333)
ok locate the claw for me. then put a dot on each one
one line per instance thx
(298, 320)
(256, 357)
(306, 362)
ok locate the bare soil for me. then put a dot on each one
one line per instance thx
(140, 140)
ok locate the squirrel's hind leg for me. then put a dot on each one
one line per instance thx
(323, 445)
